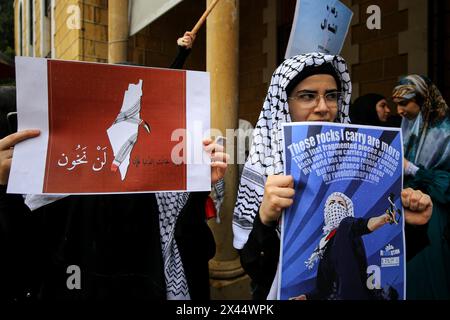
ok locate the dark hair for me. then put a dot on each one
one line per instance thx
(326, 68)
(363, 110)
(7, 104)
(419, 100)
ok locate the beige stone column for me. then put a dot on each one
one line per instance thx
(222, 61)
(117, 30)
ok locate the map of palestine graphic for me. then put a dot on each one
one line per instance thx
(123, 133)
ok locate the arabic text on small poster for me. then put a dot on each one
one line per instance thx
(319, 26)
(109, 129)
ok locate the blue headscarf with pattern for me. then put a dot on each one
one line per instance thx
(426, 138)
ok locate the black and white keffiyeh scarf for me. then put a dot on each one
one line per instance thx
(265, 156)
(170, 205)
(333, 214)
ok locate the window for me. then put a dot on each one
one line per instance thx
(286, 11)
(30, 21)
(20, 30)
(47, 7)
(46, 32)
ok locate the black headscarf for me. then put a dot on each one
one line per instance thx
(326, 68)
(7, 104)
(364, 111)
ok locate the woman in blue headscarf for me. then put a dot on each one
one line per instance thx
(426, 138)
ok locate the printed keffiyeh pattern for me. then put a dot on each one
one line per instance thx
(170, 206)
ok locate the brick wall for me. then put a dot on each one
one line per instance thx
(252, 60)
(90, 43)
(156, 46)
(286, 12)
(440, 46)
(67, 41)
(380, 64)
(94, 37)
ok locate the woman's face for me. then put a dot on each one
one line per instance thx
(408, 109)
(313, 99)
(383, 110)
(338, 200)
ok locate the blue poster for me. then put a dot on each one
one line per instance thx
(343, 236)
(319, 26)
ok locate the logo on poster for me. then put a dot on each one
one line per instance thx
(390, 256)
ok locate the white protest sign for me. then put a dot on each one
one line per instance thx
(319, 26)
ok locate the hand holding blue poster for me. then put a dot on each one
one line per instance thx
(343, 236)
(319, 26)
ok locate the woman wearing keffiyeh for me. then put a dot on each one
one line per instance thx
(265, 157)
(308, 87)
(426, 138)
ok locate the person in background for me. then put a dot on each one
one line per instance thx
(372, 109)
(185, 44)
(426, 139)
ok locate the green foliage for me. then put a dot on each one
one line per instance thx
(7, 27)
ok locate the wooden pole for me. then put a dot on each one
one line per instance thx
(204, 16)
